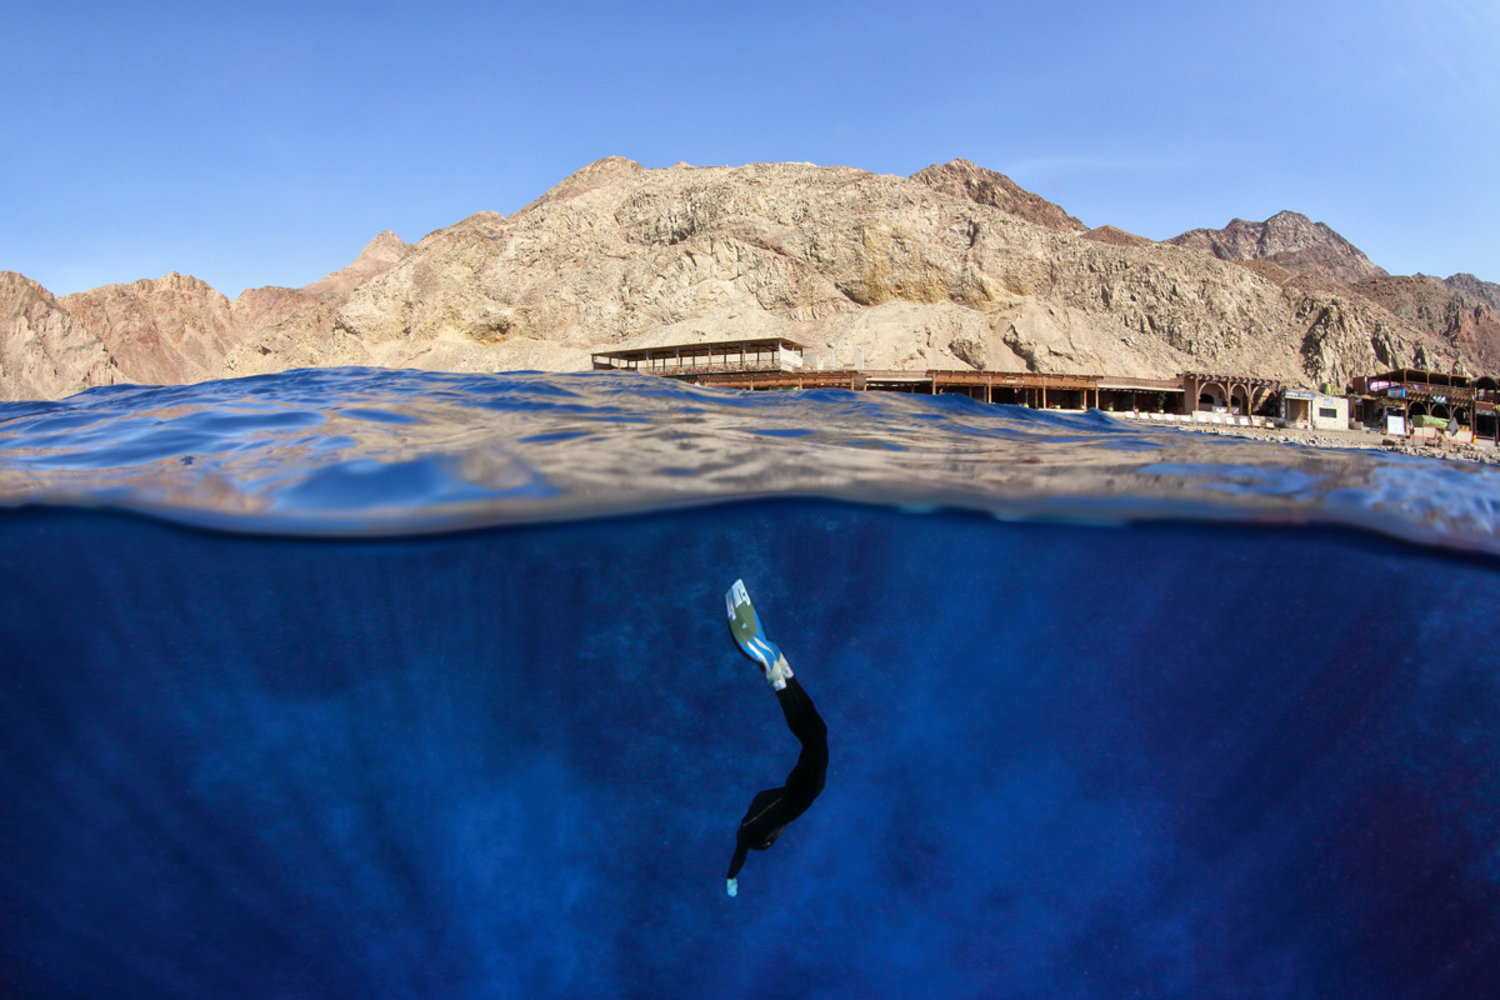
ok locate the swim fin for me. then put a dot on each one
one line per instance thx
(744, 626)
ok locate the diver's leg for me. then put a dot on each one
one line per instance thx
(802, 718)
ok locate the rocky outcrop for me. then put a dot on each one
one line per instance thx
(994, 190)
(379, 256)
(1344, 337)
(953, 267)
(1484, 291)
(159, 331)
(1460, 311)
(1288, 239)
(44, 352)
(1116, 237)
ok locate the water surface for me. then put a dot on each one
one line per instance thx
(419, 685)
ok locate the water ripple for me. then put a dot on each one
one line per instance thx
(372, 451)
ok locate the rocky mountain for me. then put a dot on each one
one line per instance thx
(44, 352)
(379, 255)
(1288, 239)
(986, 187)
(169, 330)
(1461, 311)
(953, 267)
(1458, 312)
(1119, 237)
(1486, 292)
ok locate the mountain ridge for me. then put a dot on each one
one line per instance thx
(955, 266)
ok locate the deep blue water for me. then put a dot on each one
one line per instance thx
(425, 722)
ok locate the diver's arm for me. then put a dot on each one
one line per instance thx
(740, 851)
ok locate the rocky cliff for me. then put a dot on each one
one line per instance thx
(44, 352)
(953, 267)
(1460, 311)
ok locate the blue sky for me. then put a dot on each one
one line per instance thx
(265, 143)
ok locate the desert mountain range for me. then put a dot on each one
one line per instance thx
(953, 267)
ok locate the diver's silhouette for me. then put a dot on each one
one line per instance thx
(771, 810)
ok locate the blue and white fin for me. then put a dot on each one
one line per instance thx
(744, 626)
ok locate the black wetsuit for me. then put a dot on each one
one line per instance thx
(771, 810)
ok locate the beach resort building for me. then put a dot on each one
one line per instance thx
(765, 354)
(1400, 402)
(1314, 411)
(1415, 401)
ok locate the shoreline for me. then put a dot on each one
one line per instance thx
(1361, 440)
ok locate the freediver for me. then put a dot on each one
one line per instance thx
(771, 810)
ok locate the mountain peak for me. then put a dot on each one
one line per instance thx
(988, 187)
(379, 255)
(585, 179)
(384, 243)
(1289, 239)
